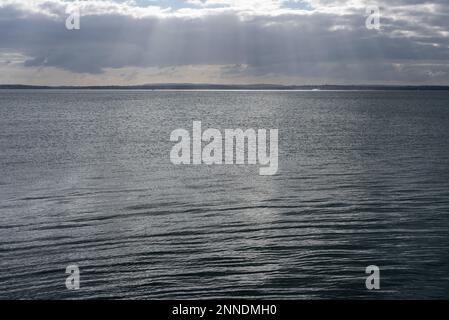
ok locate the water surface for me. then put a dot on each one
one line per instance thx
(86, 179)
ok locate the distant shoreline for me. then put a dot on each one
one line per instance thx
(255, 87)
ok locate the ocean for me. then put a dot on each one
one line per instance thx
(86, 180)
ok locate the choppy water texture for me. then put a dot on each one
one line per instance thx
(86, 179)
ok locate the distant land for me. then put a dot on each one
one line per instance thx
(188, 86)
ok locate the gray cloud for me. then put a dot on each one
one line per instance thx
(413, 45)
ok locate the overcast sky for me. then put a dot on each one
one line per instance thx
(224, 41)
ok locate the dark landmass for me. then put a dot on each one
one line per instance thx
(187, 86)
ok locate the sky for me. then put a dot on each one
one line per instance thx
(300, 42)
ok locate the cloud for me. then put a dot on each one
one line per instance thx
(324, 40)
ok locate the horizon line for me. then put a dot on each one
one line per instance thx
(227, 87)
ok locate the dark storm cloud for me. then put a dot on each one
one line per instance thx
(412, 45)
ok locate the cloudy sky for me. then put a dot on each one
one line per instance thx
(224, 41)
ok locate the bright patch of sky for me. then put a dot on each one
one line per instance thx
(174, 4)
(196, 4)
